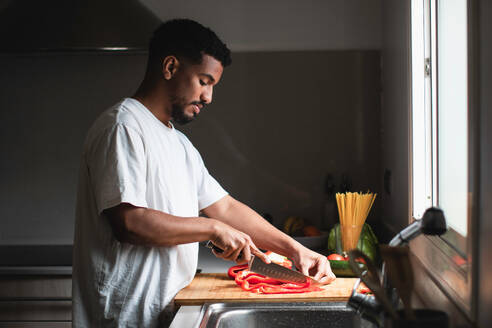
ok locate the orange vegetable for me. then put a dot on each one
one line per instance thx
(311, 231)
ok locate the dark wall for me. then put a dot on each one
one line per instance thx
(279, 122)
(395, 115)
(484, 300)
(47, 104)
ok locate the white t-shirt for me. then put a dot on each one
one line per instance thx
(131, 157)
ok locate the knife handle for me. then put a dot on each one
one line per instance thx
(218, 249)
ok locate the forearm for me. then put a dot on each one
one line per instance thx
(264, 235)
(143, 226)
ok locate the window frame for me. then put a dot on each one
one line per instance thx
(437, 254)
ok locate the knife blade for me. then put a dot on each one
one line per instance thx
(271, 270)
(279, 272)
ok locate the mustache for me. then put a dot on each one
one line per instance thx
(199, 103)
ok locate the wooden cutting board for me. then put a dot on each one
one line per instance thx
(218, 287)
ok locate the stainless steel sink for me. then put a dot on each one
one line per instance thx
(276, 315)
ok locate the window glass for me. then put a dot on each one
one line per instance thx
(452, 120)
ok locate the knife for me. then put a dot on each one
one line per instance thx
(219, 250)
(279, 272)
(272, 270)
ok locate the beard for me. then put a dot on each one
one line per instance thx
(179, 116)
(178, 111)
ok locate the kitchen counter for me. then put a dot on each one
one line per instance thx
(218, 288)
(210, 288)
(51, 270)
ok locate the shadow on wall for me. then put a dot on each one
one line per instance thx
(280, 121)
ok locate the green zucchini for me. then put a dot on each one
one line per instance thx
(342, 268)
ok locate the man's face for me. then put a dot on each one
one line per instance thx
(193, 87)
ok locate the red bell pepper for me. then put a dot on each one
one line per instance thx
(363, 289)
(233, 271)
(257, 283)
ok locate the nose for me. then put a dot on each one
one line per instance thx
(206, 96)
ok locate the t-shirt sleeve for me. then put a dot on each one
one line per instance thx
(117, 168)
(209, 190)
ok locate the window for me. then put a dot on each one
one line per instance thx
(452, 113)
(441, 137)
(439, 110)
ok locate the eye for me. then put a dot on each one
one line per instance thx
(202, 82)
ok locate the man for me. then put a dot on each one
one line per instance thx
(142, 186)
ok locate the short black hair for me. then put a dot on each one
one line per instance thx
(188, 39)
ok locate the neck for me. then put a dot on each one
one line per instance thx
(151, 95)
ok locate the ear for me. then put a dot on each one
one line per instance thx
(170, 66)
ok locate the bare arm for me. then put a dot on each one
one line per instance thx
(266, 236)
(143, 226)
(243, 218)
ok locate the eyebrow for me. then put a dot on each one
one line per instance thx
(209, 76)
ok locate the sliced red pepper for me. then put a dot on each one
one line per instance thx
(258, 279)
(257, 283)
(233, 271)
(272, 290)
(283, 288)
(363, 289)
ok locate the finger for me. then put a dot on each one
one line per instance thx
(304, 269)
(321, 270)
(228, 252)
(241, 260)
(223, 254)
(329, 275)
(325, 275)
(327, 279)
(256, 252)
(235, 255)
(217, 254)
(246, 254)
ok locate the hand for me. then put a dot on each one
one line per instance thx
(313, 264)
(233, 242)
